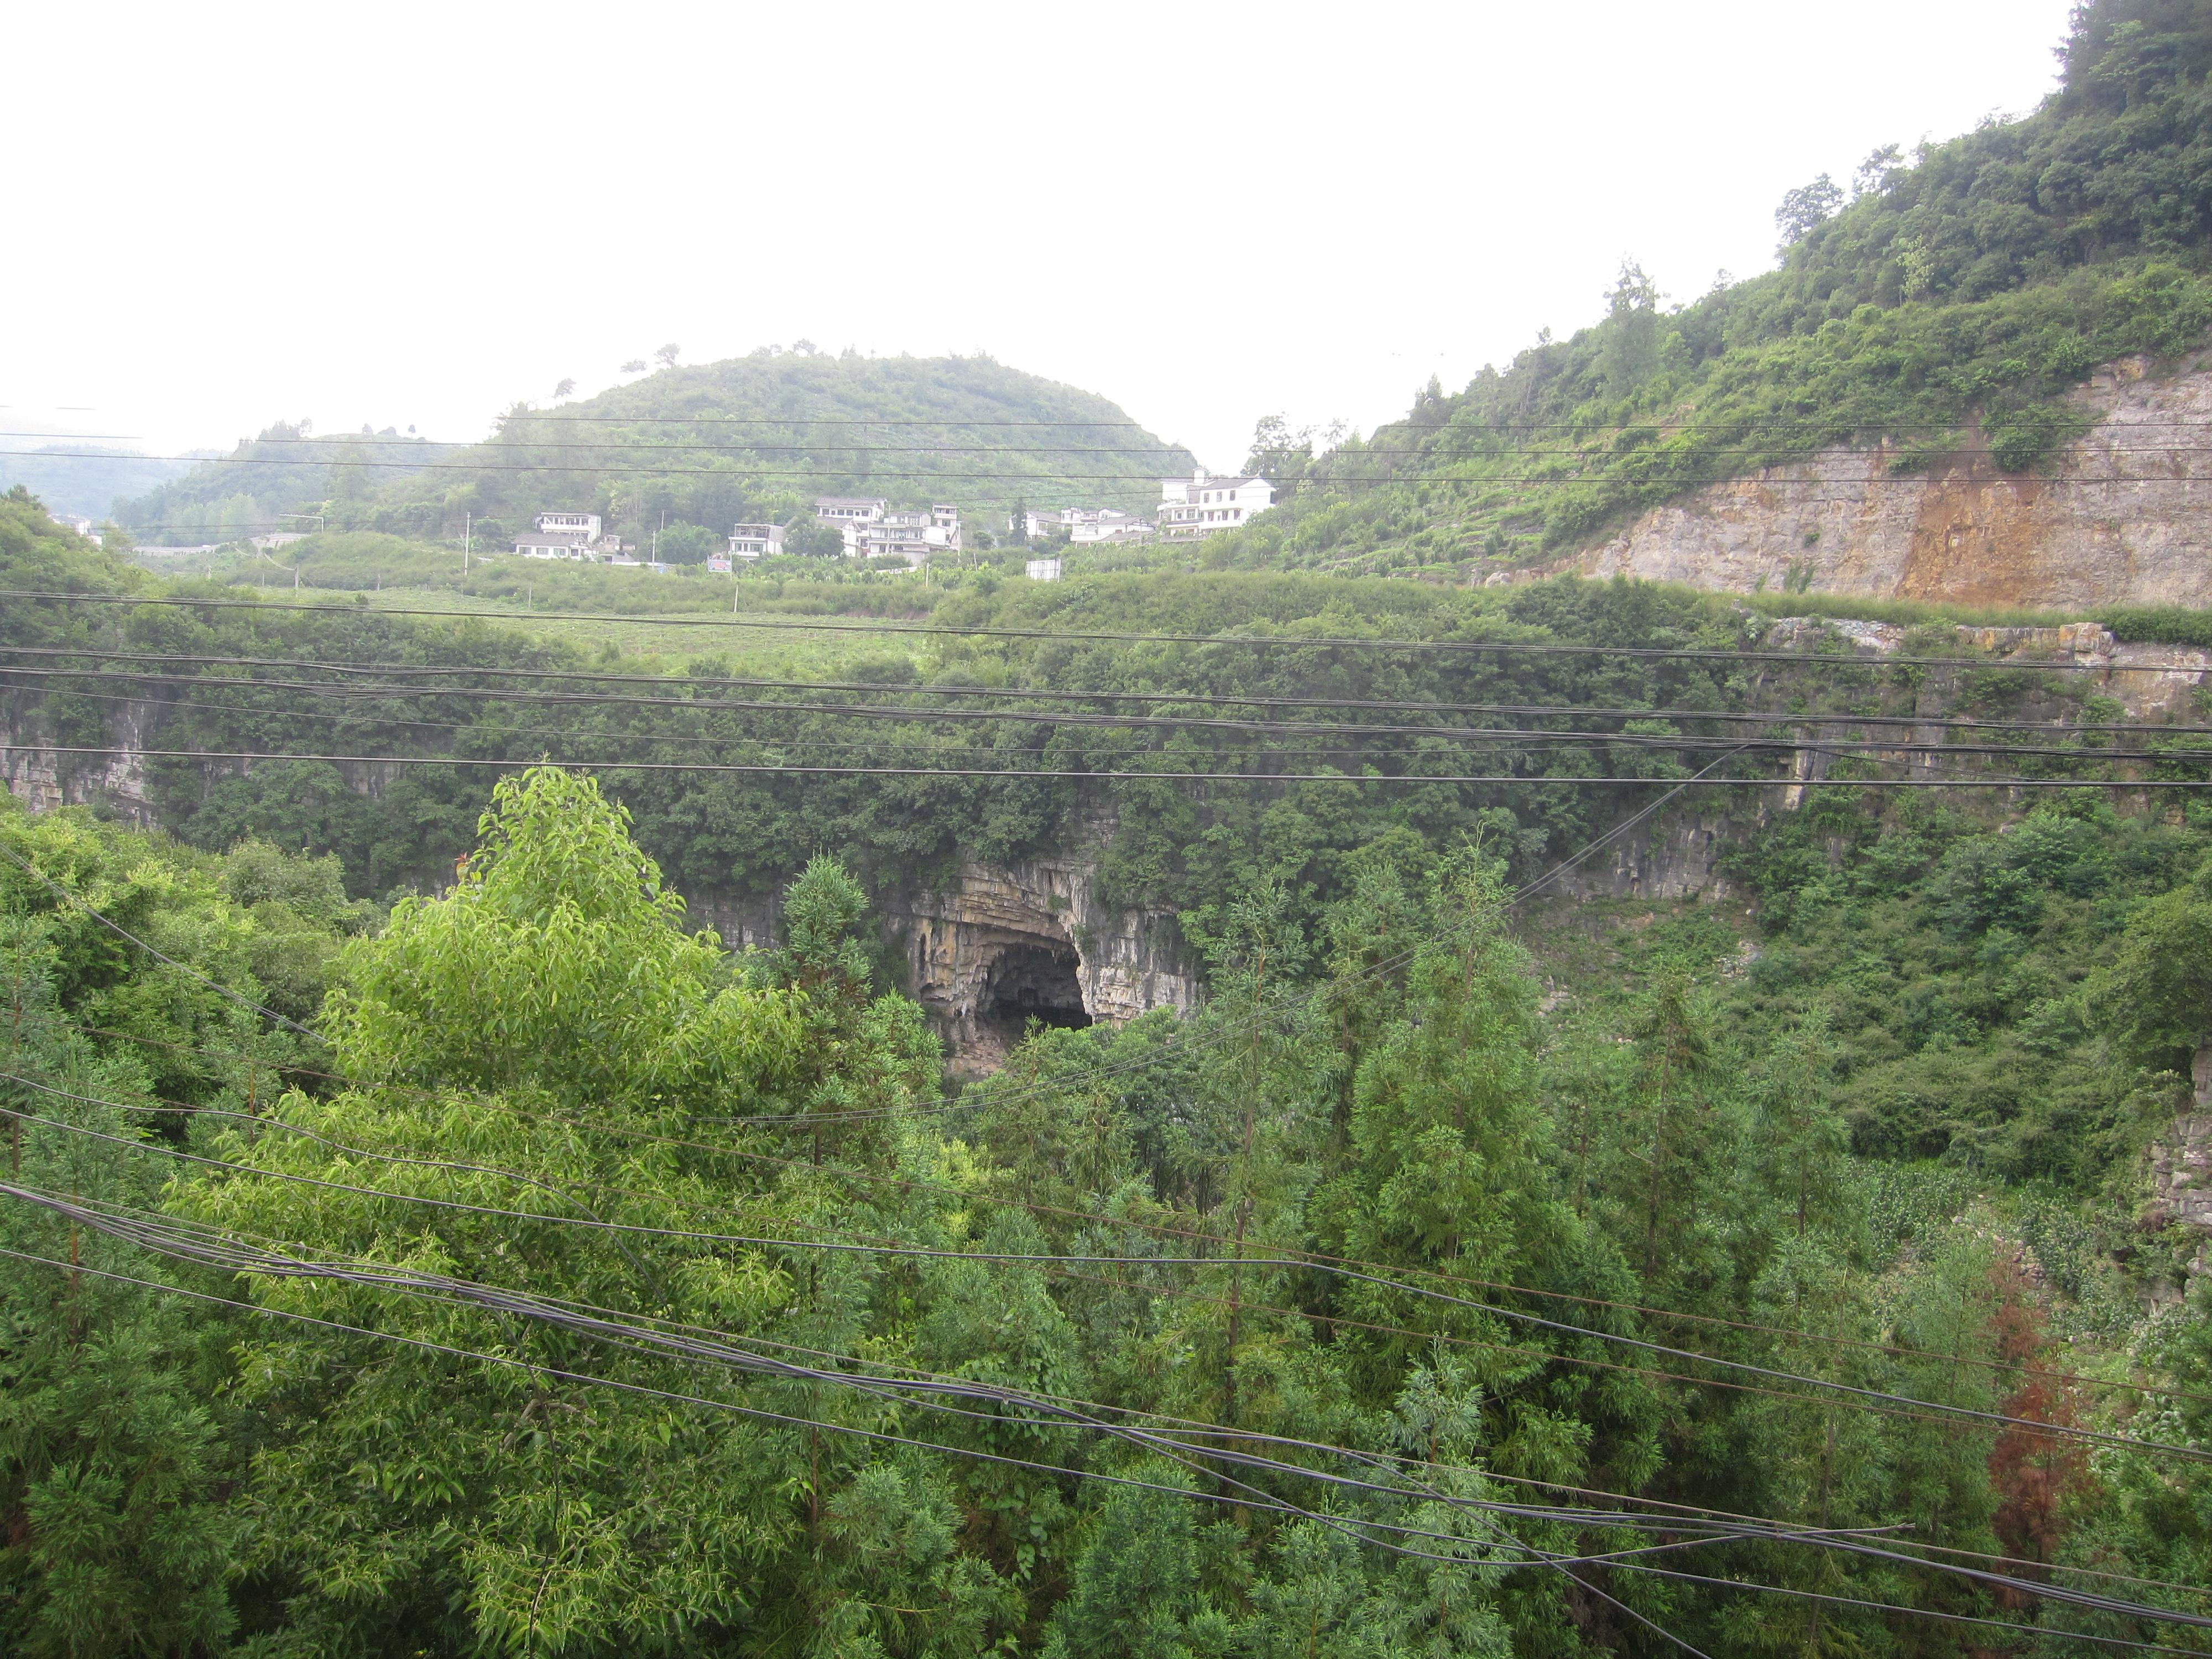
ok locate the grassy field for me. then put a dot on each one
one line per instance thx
(769, 651)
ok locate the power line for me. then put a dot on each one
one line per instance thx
(643, 1338)
(212, 1247)
(1057, 775)
(1210, 695)
(1316, 1259)
(952, 630)
(224, 991)
(1075, 1083)
(1852, 1392)
(508, 444)
(567, 469)
(1558, 737)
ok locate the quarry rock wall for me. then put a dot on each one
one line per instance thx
(2120, 518)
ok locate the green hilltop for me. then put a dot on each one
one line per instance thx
(695, 448)
(757, 438)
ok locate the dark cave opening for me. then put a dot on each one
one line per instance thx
(1032, 982)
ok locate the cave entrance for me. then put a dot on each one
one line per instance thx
(1032, 982)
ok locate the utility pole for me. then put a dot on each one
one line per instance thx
(662, 525)
(468, 527)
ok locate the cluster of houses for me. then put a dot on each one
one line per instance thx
(1189, 508)
(873, 529)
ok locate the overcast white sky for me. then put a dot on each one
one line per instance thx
(415, 215)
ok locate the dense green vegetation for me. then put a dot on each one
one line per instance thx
(1945, 311)
(894, 700)
(540, 1087)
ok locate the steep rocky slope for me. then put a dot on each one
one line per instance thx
(2119, 518)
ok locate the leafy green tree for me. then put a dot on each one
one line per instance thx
(1136, 1592)
(112, 1466)
(546, 1042)
(2157, 994)
(1806, 208)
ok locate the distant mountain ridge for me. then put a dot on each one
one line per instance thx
(78, 476)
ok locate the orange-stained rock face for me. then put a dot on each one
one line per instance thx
(2122, 518)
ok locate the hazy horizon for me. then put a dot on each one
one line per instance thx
(1202, 221)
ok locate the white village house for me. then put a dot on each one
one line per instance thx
(567, 536)
(1200, 505)
(754, 541)
(874, 528)
(1085, 525)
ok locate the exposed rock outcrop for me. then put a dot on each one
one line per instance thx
(1671, 857)
(985, 952)
(2181, 1167)
(998, 943)
(2181, 1163)
(2152, 682)
(2118, 519)
(38, 774)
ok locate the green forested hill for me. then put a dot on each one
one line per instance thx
(290, 479)
(758, 437)
(1950, 300)
(82, 476)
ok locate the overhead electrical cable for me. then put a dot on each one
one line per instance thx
(1250, 642)
(894, 714)
(258, 1122)
(2152, 1614)
(1048, 774)
(1317, 468)
(1850, 1391)
(1664, 481)
(626, 1332)
(684, 679)
(666, 1338)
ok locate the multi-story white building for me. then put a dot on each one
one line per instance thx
(566, 536)
(899, 534)
(1200, 505)
(849, 509)
(754, 541)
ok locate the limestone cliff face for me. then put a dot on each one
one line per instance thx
(1671, 857)
(40, 776)
(994, 945)
(2120, 519)
(2181, 1167)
